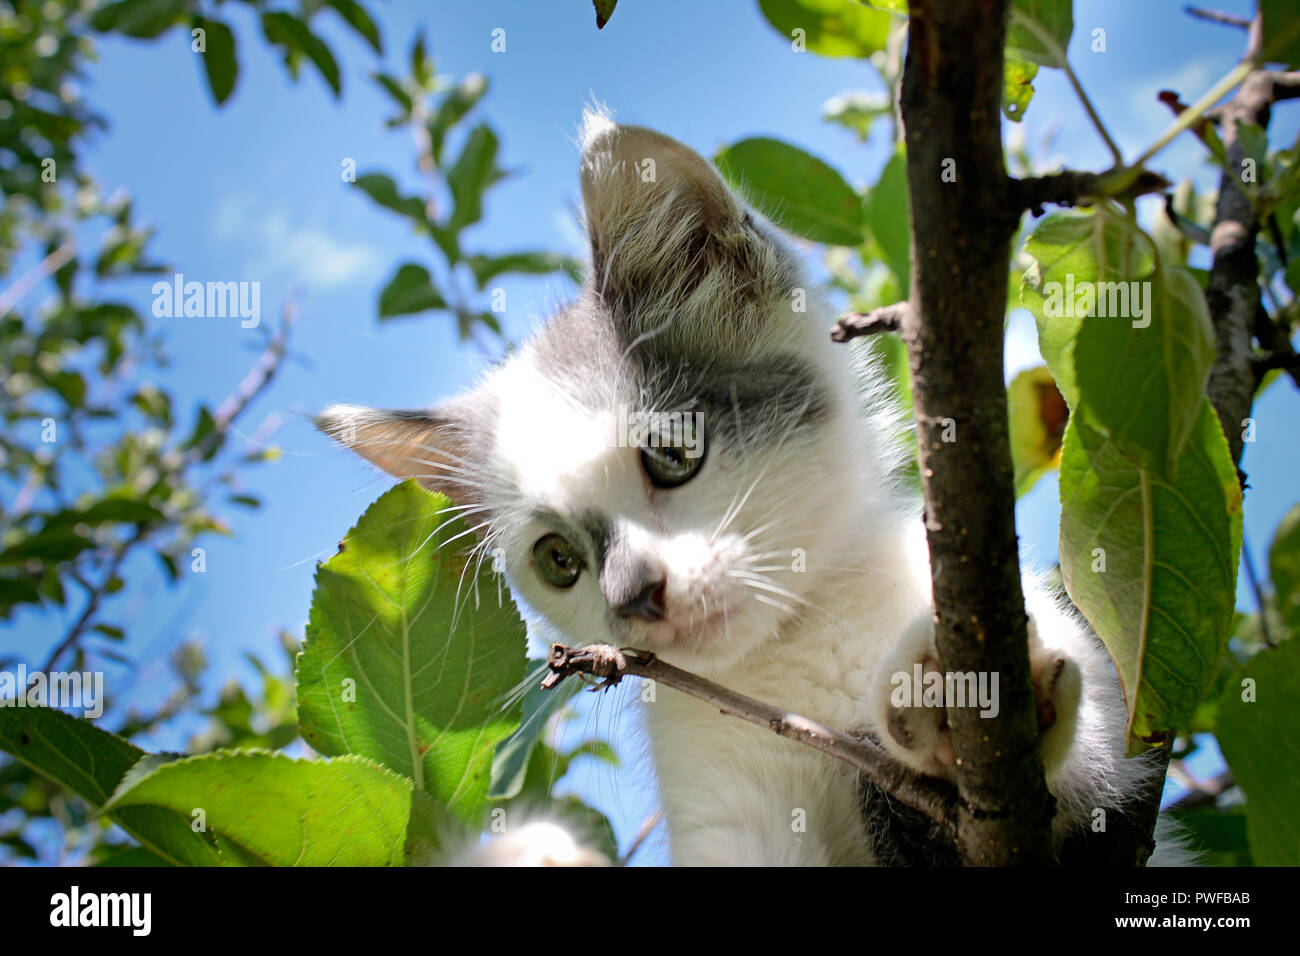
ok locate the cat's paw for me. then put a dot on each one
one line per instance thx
(913, 721)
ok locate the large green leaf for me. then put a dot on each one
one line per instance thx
(409, 657)
(1281, 32)
(279, 811)
(1284, 568)
(829, 27)
(1259, 732)
(92, 762)
(1039, 31)
(797, 191)
(1129, 345)
(1152, 564)
(889, 213)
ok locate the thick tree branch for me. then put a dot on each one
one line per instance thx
(1233, 293)
(1070, 188)
(936, 799)
(964, 214)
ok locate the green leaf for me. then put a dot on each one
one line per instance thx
(219, 60)
(459, 100)
(1017, 88)
(1220, 833)
(286, 30)
(1039, 31)
(1284, 568)
(1130, 347)
(796, 190)
(473, 172)
(421, 65)
(1038, 415)
(142, 19)
(410, 290)
(1258, 730)
(1152, 565)
(409, 658)
(279, 811)
(513, 755)
(604, 10)
(856, 111)
(1281, 32)
(355, 16)
(396, 90)
(383, 190)
(889, 213)
(487, 268)
(829, 27)
(92, 763)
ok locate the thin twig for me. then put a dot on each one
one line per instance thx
(647, 828)
(1218, 16)
(887, 318)
(51, 264)
(1049, 41)
(935, 798)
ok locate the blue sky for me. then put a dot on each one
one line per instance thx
(253, 192)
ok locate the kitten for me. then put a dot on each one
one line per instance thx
(682, 461)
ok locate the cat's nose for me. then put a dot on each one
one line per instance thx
(647, 604)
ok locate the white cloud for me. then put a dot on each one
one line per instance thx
(297, 252)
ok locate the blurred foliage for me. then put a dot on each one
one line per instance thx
(437, 111)
(97, 463)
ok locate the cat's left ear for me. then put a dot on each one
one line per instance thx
(669, 240)
(427, 445)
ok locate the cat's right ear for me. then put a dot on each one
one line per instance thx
(425, 445)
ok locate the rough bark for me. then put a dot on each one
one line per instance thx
(961, 236)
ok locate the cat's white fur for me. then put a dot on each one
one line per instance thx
(795, 567)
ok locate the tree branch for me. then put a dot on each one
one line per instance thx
(1071, 188)
(963, 219)
(1218, 16)
(936, 799)
(887, 318)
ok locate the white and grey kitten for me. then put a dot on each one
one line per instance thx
(766, 543)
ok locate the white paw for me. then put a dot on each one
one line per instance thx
(913, 721)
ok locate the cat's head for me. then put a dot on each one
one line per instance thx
(677, 457)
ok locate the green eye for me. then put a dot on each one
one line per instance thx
(558, 562)
(673, 459)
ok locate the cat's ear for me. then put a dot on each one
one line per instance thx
(428, 445)
(669, 239)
